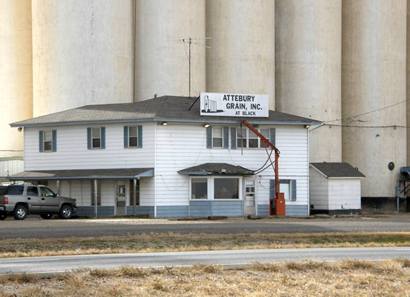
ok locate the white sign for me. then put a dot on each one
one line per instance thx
(234, 105)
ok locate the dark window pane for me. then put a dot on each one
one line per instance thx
(217, 142)
(132, 131)
(96, 143)
(253, 143)
(133, 142)
(32, 191)
(199, 188)
(47, 146)
(241, 142)
(226, 188)
(15, 190)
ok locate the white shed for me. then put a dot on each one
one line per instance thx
(335, 188)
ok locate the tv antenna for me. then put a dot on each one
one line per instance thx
(190, 41)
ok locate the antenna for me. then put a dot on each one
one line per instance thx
(189, 41)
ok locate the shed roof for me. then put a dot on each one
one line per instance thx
(126, 173)
(216, 169)
(337, 169)
(165, 108)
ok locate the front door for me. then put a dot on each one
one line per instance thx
(121, 201)
(250, 197)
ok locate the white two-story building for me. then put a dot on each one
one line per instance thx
(160, 158)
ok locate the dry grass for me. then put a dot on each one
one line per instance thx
(194, 241)
(351, 278)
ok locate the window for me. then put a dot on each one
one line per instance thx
(241, 137)
(133, 136)
(32, 191)
(15, 190)
(266, 133)
(217, 137)
(96, 138)
(199, 188)
(288, 188)
(46, 192)
(48, 141)
(253, 140)
(226, 188)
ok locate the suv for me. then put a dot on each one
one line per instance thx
(21, 199)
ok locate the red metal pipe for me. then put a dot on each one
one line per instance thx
(277, 153)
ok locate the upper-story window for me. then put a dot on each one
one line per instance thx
(47, 140)
(231, 137)
(133, 136)
(248, 139)
(96, 138)
(217, 137)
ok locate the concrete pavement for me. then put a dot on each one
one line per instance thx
(35, 228)
(226, 257)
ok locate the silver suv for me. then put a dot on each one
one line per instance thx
(21, 199)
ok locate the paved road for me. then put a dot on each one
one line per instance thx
(36, 228)
(227, 257)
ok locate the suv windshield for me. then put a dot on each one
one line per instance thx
(15, 190)
(46, 192)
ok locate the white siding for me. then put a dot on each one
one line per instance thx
(72, 152)
(10, 167)
(344, 194)
(182, 146)
(319, 190)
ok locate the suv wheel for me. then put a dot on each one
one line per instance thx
(46, 216)
(66, 212)
(3, 217)
(20, 212)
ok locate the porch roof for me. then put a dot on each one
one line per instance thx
(216, 169)
(122, 173)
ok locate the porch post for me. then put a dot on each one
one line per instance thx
(95, 197)
(134, 193)
(58, 187)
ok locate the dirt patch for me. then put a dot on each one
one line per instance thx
(350, 278)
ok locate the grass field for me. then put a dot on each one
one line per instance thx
(351, 278)
(191, 242)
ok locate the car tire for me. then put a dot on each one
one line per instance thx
(3, 217)
(46, 216)
(20, 212)
(66, 212)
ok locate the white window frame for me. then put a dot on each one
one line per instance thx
(211, 184)
(221, 129)
(247, 132)
(45, 132)
(190, 188)
(129, 137)
(92, 138)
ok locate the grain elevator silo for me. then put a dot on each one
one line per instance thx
(374, 91)
(82, 53)
(241, 52)
(308, 68)
(164, 29)
(15, 73)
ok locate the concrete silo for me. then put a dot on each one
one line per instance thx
(163, 29)
(241, 53)
(15, 72)
(374, 91)
(308, 68)
(82, 53)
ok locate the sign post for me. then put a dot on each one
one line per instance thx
(234, 105)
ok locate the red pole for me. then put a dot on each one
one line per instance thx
(276, 164)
